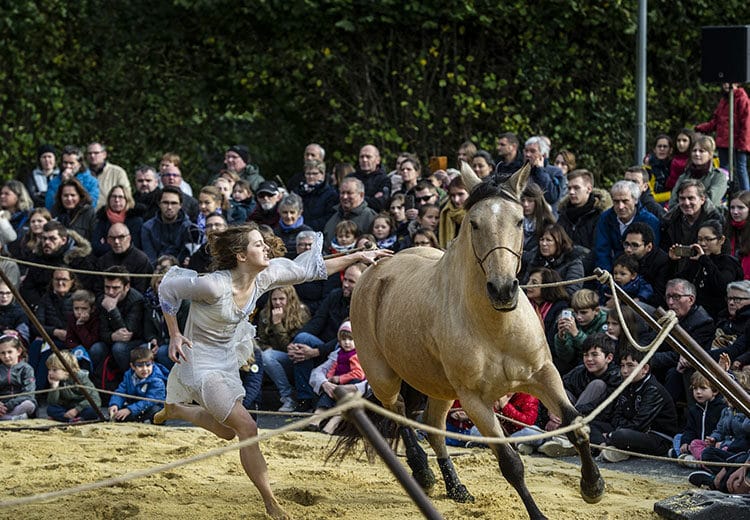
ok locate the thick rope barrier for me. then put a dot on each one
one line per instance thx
(72, 270)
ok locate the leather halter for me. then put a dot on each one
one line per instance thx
(508, 196)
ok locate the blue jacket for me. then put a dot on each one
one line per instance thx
(608, 243)
(87, 180)
(733, 431)
(153, 387)
(166, 238)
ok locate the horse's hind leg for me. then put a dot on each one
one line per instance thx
(434, 416)
(550, 390)
(416, 457)
(508, 459)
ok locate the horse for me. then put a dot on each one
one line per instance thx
(456, 325)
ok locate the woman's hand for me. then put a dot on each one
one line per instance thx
(177, 346)
(370, 256)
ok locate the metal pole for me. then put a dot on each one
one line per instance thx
(368, 430)
(35, 321)
(640, 143)
(730, 152)
(686, 346)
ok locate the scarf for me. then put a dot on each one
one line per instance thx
(576, 212)
(388, 242)
(297, 223)
(115, 217)
(698, 172)
(449, 223)
(309, 188)
(336, 248)
(342, 362)
(738, 227)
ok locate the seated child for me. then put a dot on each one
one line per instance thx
(346, 233)
(587, 386)
(729, 442)
(144, 378)
(702, 418)
(16, 377)
(517, 406)
(66, 402)
(341, 368)
(644, 417)
(589, 318)
(12, 318)
(383, 228)
(625, 274)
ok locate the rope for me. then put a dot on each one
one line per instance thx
(77, 271)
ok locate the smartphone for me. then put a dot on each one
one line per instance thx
(566, 313)
(409, 201)
(683, 251)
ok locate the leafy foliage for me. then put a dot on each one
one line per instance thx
(195, 76)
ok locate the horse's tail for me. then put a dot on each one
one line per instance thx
(350, 437)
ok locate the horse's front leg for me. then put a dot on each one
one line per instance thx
(549, 389)
(434, 415)
(510, 462)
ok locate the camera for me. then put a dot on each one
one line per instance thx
(683, 251)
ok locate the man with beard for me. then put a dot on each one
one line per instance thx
(147, 191)
(508, 158)
(168, 232)
(125, 254)
(58, 246)
(266, 211)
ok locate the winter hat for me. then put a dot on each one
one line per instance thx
(241, 150)
(45, 148)
(345, 327)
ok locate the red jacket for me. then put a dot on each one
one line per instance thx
(719, 122)
(521, 407)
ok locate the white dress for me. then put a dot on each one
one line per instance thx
(222, 336)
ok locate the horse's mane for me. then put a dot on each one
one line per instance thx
(488, 188)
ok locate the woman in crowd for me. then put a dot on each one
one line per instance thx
(737, 231)
(701, 167)
(547, 301)
(537, 215)
(452, 214)
(291, 223)
(119, 209)
(709, 269)
(410, 170)
(681, 157)
(555, 251)
(73, 208)
(483, 164)
(23, 249)
(658, 163)
(45, 171)
(16, 201)
(566, 161)
(425, 238)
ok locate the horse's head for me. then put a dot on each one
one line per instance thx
(494, 218)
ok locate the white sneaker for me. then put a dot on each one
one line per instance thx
(687, 460)
(20, 417)
(524, 448)
(558, 447)
(613, 456)
(288, 405)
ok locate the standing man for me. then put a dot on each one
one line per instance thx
(550, 178)
(107, 174)
(172, 176)
(508, 158)
(237, 160)
(612, 223)
(719, 123)
(147, 191)
(374, 178)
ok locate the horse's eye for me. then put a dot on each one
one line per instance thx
(474, 225)
(519, 224)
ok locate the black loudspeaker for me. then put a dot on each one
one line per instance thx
(725, 54)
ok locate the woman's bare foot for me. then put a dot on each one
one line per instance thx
(162, 415)
(332, 424)
(275, 511)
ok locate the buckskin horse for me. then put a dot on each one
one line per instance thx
(456, 325)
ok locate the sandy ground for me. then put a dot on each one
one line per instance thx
(41, 461)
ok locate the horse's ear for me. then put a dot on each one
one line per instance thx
(469, 177)
(517, 181)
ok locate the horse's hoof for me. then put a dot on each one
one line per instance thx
(460, 494)
(425, 478)
(592, 493)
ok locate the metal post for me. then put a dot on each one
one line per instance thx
(35, 321)
(640, 84)
(368, 430)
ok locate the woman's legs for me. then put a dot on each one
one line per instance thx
(196, 415)
(252, 459)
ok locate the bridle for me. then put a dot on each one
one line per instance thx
(511, 197)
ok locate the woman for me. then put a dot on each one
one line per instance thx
(278, 323)
(683, 145)
(425, 238)
(291, 223)
(206, 369)
(318, 197)
(709, 269)
(410, 170)
(23, 249)
(566, 161)
(701, 167)
(555, 250)
(119, 209)
(537, 214)
(482, 164)
(658, 162)
(547, 301)
(45, 171)
(16, 201)
(737, 231)
(73, 208)
(453, 211)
